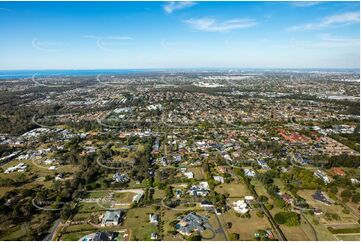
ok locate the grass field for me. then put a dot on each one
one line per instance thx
(258, 186)
(295, 233)
(322, 232)
(198, 173)
(337, 209)
(280, 185)
(233, 189)
(158, 194)
(89, 207)
(244, 226)
(85, 216)
(96, 194)
(79, 228)
(124, 197)
(137, 221)
(349, 237)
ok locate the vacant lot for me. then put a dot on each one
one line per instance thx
(246, 227)
(137, 221)
(295, 233)
(258, 186)
(198, 173)
(348, 237)
(158, 194)
(233, 189)
(124, 197)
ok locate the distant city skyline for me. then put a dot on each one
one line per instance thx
(176, 35)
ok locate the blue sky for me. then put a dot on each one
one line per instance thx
(120, 35)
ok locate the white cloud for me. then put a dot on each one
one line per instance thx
(328, 41)
(212, 25)
(304, 3)
(330, 21)
(49, 46)
(170, 7)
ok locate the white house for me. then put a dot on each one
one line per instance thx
(153, 218)
(249, 172)
(240, 207)
(188, 174)
(219, 179)
(322, 175)
(52, 168)
(49, 161)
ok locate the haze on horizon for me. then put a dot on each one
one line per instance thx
(121, 35)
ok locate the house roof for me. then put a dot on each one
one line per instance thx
(112, 216)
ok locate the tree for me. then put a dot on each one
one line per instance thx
(234, 236)
(356, 198)
(66, 211)
(346, 195)
(195, 237)
(287, 218)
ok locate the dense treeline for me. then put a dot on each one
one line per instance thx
(343, 161)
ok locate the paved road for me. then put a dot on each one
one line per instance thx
(309, 223)
(52, 230)
(279, 232)
(221, 226)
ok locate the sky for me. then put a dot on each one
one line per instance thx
(125, 35)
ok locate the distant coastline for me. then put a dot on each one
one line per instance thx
(10, 74)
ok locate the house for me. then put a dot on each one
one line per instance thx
(153, 218)
(354, 181)
(218, 211)
(322, 175)
(100, 236)
(111, 218)
(163, 161)
(177, 158)
(249, 172)
(263, 164)
(248, 198)
(190, 223)
(52, 168)
(137, 198)
(120, 178)
(202, 189)
(317, 211)
(221, 169)
(49, 161)
(322, 197)
(218, 179)
(240, 206)
(104, 236)
(206, 204)
(188, 174)
(178, 193)
(338, 171)
(60, 177)
(153, 236)
(284, 169)
(287, 199)
(21, 167)
(269, 234)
